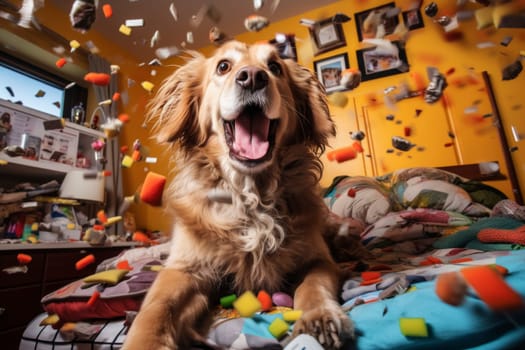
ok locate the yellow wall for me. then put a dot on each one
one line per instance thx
(424, 47)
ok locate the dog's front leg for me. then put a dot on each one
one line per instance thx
(323, 317)
(173, 314)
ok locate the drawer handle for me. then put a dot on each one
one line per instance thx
(16, 269)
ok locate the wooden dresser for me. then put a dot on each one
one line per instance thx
(52, 266)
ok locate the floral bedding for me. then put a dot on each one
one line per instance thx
(416, 223)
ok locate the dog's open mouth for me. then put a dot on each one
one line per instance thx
(250, 136)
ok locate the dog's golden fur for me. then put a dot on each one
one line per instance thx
(248, 214)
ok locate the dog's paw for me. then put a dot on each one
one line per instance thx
(328, 324)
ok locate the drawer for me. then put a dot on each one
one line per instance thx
(60, 266)
(32, 276)
(11, 338)
(21, 305)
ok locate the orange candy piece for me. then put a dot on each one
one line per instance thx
(85, 261)
(61, 62)
(24, 259)
(152, 189)
(101, 79)
(265, 299)
(107, 10)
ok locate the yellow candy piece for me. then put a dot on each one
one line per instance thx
(113, 220)
(124, 29)
(247, 304)
(338, 99)
(3, 162)
(108, 277)
(127, 161)
(70, 226)
(278, 328)
(32, 239)
(293, 315)
(34, 226)
(74, 45)
(50, 320)
(413, 327)
(146, 85)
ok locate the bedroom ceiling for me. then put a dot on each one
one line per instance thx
(157, 17)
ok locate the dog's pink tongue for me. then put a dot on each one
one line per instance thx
(251, 136)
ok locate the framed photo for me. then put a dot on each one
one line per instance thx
(376, 62)
(286, 47)
(413, 19)
(326, 35)
(382, 19)
(330, 70)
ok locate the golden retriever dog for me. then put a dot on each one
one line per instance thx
(246, 129)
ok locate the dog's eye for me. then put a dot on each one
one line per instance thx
(275, 67)
(224, 67)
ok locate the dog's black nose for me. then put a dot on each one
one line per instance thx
(252, 78)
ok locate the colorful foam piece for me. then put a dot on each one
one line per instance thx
(265, 299)
(152, 189)
(451, 288)
(292, 315)
(23, 259)
(85, 261)
(247, 304)
(278, 328)
(102, 217)
(486, 281)
(282, 299)
(342, 154)
(491, 287)
(413, 327)
(101, 79)
(107, 10)
(61, 62)
(124, 29)
(111, 277)
(94, 297)
(227, 301)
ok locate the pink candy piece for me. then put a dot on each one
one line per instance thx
(282, 299)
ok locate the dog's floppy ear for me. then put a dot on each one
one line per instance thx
(175, 106)
(315, 124)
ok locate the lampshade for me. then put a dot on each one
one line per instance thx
(83, 186)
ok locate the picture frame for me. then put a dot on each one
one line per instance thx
(326, 35)
(413, 19)
(366, 21)
(374, 63)
(329, 71)
(286, 48)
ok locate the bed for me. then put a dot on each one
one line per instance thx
(418, 226)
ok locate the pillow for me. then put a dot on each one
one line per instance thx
(418, 192)
(411, 225)
(358, 197)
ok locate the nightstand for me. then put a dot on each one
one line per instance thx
(52, 266)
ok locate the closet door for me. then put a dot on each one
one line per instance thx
(406, 134)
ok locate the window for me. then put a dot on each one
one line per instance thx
(30, 86)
